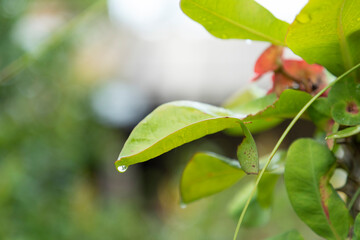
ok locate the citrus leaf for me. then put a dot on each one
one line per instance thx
(347, 132)
(290, 235)
(244, 19)
(327, 33)
(171, 125)
(207, 174)
(308, 168)
(247, 152)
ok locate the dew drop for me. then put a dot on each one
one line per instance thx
(122, 168)
(248, 41)
(303, 18)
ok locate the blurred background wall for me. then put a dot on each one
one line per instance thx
(83, 73)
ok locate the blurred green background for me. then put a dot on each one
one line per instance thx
(67, 109)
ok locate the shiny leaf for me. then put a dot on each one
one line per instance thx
(172, 125)
(207, 174)
(308, 168)
(327, 33)
(244, 19)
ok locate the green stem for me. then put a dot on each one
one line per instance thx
(353, 199)
(22, 62)
(287, 130)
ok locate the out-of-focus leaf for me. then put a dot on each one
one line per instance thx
(356, 235)
(267, 112)
(344, 98)
(207, 174)
(269, 60)
(327, 33)
(172, 125)
(308, 169)
(256, 215)
(266, 189)
(347, 132)
(290, 235)
(247, 152)
(244, 19)
(319, 112)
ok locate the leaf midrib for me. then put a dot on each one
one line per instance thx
(236, 23)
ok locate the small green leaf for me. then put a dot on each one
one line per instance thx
(247, 153)
(347, 132)
(171, 125)
(308, 168)
(327, 33)
(290, 235)
(207, 174)
(356, 235)
(268, 111)
(344, 98)
(244, 19)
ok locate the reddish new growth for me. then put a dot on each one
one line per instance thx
(352, 108)
(288, 73)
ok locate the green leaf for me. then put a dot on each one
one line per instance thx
(347, 132)
(266, 112)
(256, 215)
(265, 190)
(247, 153)
(172, 125)
(344, 98)
(244, 19)
(207, 174)
(290, 235)
(357, 228)
(327, 33)
(319, 112)
(308, 168)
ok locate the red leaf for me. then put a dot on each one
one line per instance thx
(269, 60)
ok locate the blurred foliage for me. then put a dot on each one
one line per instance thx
(58, 180)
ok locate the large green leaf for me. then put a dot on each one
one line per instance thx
(207, 174)
(308, 168)
(244, 19)
(327, 33)
(290, 235)
(247, 152)
(344, 98)
(170, 126)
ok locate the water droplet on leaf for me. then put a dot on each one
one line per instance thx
(122, 168)
(248, 41)
(303, 18)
